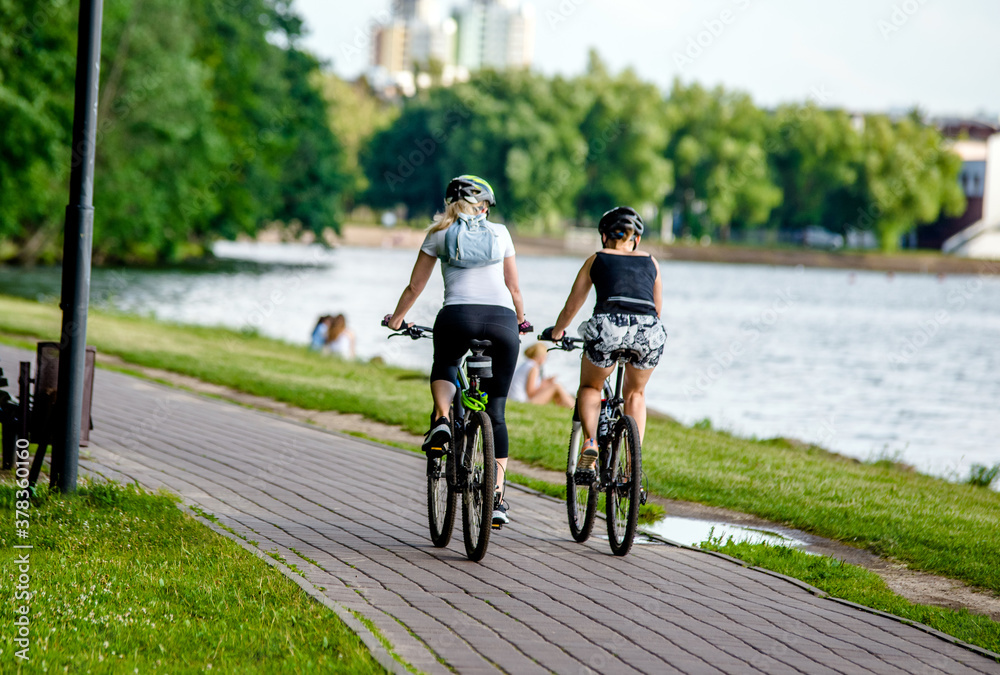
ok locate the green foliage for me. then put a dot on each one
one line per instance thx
(815, 155)
(206, 128)
(561, 149)
(717, 148)
(908, 177)
(983, 476)
(37, 66)
(550, 147)
(355, 115)
(626, 133)
(213, 122)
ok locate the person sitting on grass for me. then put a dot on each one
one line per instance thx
(339, 338)
(528, 385)
(318, 339)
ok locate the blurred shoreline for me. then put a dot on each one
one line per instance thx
(584, 243)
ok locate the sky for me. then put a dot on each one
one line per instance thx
(865, 55)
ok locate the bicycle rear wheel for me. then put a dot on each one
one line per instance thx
(625, 487)
(581, 500)
(440, 501)
(477, 490)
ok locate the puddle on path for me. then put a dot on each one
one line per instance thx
(692, 532)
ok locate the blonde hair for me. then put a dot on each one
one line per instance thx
(442, 221)
(337, 326)
(534, 350)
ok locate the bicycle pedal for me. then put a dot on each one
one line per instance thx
(496, 526)
(435, 453)
(584, 477)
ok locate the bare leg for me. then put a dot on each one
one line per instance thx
(589, 396)
(634, 393)
(443, 392)
(501, 473)
(545, 393)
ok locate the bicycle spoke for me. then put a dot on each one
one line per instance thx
(624, 490)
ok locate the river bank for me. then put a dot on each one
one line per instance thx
(585, 242)
(923, 522)
(914, 586)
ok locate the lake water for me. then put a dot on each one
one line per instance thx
(866, 364)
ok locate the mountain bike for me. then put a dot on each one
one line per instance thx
(618, 472)
(467, 464)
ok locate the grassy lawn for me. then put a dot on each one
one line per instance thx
(124, 582)
(850, 582)
(928, 523)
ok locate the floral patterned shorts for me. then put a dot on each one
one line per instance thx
(605, 334)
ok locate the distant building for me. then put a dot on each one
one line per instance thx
(495, 34)
(416, 10)
(405, 48)
(976, 232)
(415, 45)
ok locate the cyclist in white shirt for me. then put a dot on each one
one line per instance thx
(482, 301)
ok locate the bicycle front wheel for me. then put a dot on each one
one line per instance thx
(625, 487)
(477, 490)
(581, 500)
(440, 501)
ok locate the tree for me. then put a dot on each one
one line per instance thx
(908, 177)
(355, 115)
(156, 141)
(37, 70)
(816, 158)
(403, 162)
(720, 165)
(210, 124)
(516, 129)
(626, 133)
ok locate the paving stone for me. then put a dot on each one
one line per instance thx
(539, 601)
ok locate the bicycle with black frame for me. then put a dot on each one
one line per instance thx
(619, 466)
(467, 463)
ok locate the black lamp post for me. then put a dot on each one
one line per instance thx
(76, 249)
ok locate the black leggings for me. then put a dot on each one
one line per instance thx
(454, 327)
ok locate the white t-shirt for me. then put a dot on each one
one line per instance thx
(341, 346)
(519, 383)
(475, 285)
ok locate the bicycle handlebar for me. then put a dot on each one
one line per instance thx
(565, 343)
(413, 332)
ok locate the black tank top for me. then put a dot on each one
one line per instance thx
(624, 284)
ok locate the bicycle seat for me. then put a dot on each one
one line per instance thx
(626, 356)
(479, 345)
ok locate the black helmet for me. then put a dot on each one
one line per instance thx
(472, 189)
(621, 219)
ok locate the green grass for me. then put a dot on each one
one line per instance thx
(856, 584)
(928, 523)
(124, 580)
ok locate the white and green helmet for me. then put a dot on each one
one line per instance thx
(472, 189)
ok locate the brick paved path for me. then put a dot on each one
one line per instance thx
(354, 513)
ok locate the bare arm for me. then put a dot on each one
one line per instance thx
(531, 386)
(657, 289)
(510, 279)
(422, 270)
(577, 296)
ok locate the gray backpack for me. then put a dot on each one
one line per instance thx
(472, 243)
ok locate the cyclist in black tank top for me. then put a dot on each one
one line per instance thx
(624, 283)
(626, 317)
